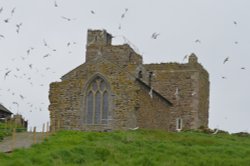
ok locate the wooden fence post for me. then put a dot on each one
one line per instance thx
(34, 135)
(43, 134)
(47, 130)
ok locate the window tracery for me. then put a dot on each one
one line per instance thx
(97, 102)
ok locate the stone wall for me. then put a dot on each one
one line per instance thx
(100, 37)
(180, 90)
(152, 112)
(67, 97)
(121, 55)
(187, 87)
(204, 99)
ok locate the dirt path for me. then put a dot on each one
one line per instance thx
(23, 140)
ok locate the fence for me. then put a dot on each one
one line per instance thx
(20, 137)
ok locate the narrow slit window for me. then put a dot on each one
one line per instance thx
(178, 124)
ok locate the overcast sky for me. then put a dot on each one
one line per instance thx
(40, 54)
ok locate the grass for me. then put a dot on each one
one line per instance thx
(128, 148)
(6, 129)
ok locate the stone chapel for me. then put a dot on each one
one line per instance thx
(114, 90)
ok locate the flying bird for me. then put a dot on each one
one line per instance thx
(236, 42)
(23, 58)
(243, 68)
(13, 11)
(21, 96)
(6, 74)
(185, 57)
(197, 41)
(225, 60)
(1, 9)
(223, 77)
(119, 27)
(235, 23)
(55, 4)
(15, 103)
(45, 56)
(155, 35)
(7, 20)
(45, 43)
(92, 12)
(28, 51)
(68, 19)
(2, 36)
(18, 27)
(123, 15)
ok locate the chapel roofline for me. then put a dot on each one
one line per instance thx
(2, 108)
(154, 92)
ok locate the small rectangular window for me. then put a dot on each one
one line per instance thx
(178, 124)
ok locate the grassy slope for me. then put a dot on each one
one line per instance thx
(4, 131)
(141, 147)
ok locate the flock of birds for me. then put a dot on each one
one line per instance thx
(198, 41)
(7, 20)
(16, 72)
(227, 58)
(22, 73)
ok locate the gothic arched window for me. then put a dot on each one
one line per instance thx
(97, 102)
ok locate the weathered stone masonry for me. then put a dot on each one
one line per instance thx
(114, 90)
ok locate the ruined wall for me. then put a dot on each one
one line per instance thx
(121, 55)
(100, 37)
(203, 98)
(187, 87)
(152, 112)
(66, 97)
(99, 45)
(64, 104)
